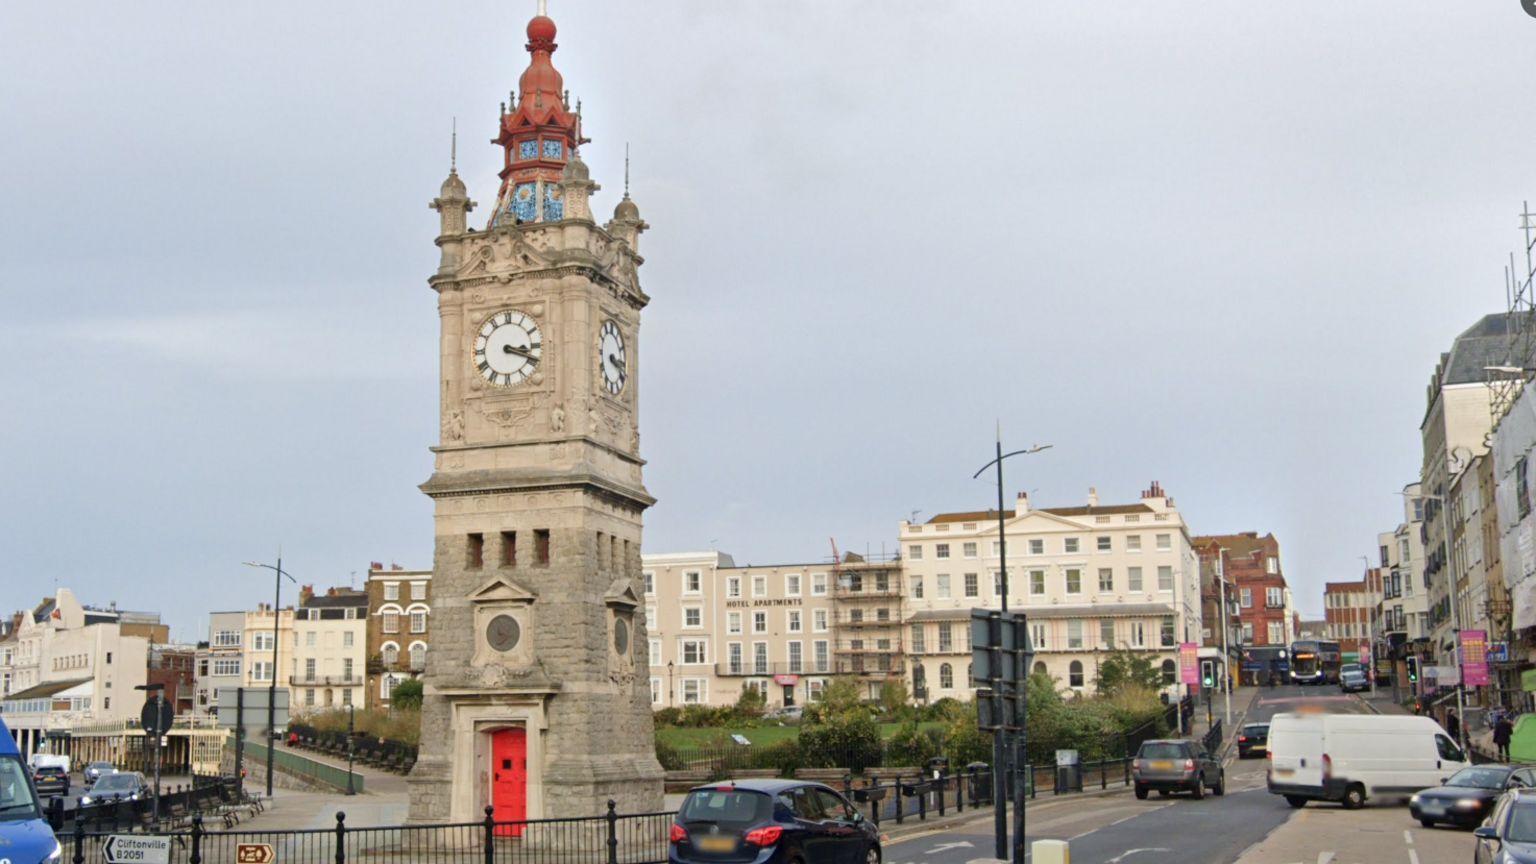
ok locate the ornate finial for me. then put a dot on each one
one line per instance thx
(626, 169)
(512, 99)
(565, 101)
(453, 149)
(544, 7)
(503, 109)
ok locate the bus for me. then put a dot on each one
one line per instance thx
(1266, 664)
(1315, 662)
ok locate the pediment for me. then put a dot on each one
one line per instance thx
(621, 595)
(500, 589)
(1038, 519)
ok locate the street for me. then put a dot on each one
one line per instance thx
(1247, 825)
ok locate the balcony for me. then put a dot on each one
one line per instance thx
(871, 670)
(746, 669)
(868, 589)
(325, 681)
(861, 621)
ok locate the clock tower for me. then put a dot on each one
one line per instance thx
(537, 693)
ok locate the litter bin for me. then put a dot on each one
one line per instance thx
(1069, 772)
(979, 778)
(938, 766)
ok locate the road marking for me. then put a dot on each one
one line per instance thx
(1413, 857)
(1324, 857)
(1129, 852)
(1407, 837)
(945, 847)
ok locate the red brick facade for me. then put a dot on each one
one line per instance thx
(1253, 565)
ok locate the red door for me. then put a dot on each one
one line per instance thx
(509, 780)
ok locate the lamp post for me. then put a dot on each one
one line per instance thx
(669, 683)
(999, 748)
(1226, 625)
(351, 731)
(277, 599)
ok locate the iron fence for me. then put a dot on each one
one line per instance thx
(613, 838)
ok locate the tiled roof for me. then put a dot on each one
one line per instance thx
(1235, 544)
(1485, 343)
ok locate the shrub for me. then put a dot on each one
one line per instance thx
(406, 695)
(668, 717)
(668, 756)
(784, 756)
(965, 743)
(910, 746)
(849, 741)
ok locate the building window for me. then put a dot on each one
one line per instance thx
(1069, 544)
(695, 652)
(819, 655)
(941, 550)
(509, 548)
(475, 555)
(418, 657)
(695, 691)
(1169, 671)
(792, 621)
(1106, 543)
(309, 668)
(1039, 668)
(759, 586)
(1165, 578)
(1036, 546)
(261, 641)
(759, 622)
(818, 584)
(1074, 634)
(1276, 633)
(391, 590)
(1074, 581)
(261, 670)
(733, 623)
(968, 550)
(1037, 583)
(650, 617)
(1245, 598)
(917, 587)
(733, 587)
(997, 582)
(390, 654)
(733, 657)
(945, 645)
(941, 586)
(1132, 541)
(1274, 598)
(915, 552)
(693, 617)
(946, 677)
(1164, 542)
(693, 582)
(418, 621)
(1037, 636)
(971, 587)
(541, 546)
(347, 639)
(1133, 579)
(1167, 632)
(1106, 580)
(760, 658)
(1248, 632)
(1138, 634)
(309, 697)
(1271, 565)
(1107, 633)
(819, 620)
(309, 638)
(795, 658)
(792, 585)
(650, 583)
(1075, 674)
(225, 668)
(917, 639)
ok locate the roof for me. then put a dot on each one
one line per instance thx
(991, 515)
(768, 786)
(1096, 610)
(1484, 344)
(47, 688)
(333, 601)
(1245, 543)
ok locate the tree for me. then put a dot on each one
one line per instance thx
(1123, 669)
(895, 699)
(406, 695)
(750, 704)
(840, 698)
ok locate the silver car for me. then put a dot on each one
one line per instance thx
(1352, 678)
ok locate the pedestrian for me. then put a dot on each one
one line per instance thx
(1502, 729)
(1452, 725)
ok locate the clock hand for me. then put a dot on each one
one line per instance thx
(521, 352)
(615, 361)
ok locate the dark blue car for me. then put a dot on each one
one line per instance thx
(771, 822)
(1509, 835)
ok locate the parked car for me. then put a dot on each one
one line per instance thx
(1352, 678)
(1252, 738)
(50, 780)
(95, 770)
(771, 822)
(1351, 758)
(1468, 796)
(1177, 766)
(1509, 834)
(119, 785)
(26, 833)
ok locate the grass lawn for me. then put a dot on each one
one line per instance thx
(692, 739)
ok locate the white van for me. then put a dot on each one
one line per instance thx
(1353, 757)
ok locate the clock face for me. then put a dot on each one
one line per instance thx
(610, 357)
(502, 633)
(621, 636)
(507, 348)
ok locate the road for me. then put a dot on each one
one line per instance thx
(1217, 830)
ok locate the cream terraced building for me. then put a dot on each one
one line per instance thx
(1091, 578)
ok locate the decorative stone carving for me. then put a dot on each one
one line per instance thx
(453, 426)
(557, 419)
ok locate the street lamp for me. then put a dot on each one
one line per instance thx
(277, 599)
(1445, 537)
(669, 683)
(351, 740)
(999, 752)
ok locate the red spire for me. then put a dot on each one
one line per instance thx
(541, 82)
(537, 134)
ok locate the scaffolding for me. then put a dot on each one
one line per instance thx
(1506, 380)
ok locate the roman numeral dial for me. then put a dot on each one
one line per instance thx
(507, 348)
(610, 357)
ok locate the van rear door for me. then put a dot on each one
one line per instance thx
(1296, 752)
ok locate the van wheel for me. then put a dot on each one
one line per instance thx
(1199, 790)
(1354, 797)
(1296, 801)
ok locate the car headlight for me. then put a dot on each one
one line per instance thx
(1414, 799)
(84, 800)
(56, 854)
(1469, 803)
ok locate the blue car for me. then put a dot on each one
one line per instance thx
(771, 822)
(25, 835)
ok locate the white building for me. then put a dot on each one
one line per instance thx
(330, 649)
(1092, 578)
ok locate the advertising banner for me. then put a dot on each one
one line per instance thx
(1189, 662)
(1474, 657)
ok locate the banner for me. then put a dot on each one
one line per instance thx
(1474, 657)
(1365, 655)
(1189, 662)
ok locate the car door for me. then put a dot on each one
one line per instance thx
(1204, 763)
(815, 839)
(845, 837)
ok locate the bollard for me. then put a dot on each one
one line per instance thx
(941, 781)
(197, 840)
(960, 793)
(490, 836)
(1050, 852)
(613, 832)
(896, 787)
(341, 837)
(79, 856)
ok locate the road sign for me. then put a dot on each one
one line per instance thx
(137, 849)
(157, 716)
(255, 707)
(255, 853)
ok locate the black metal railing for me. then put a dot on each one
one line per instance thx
(1214, 737)
(614, 838)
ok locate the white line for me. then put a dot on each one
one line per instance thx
(1407, 837)
(1413, 857)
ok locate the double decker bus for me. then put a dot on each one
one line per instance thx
(1266, 664)
(1314, 661)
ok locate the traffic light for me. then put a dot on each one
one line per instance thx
(1413, 670)
(1208, 674)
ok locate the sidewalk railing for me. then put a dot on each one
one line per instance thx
(309, 769)
(614, 838)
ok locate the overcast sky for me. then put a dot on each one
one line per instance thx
(1216, 245)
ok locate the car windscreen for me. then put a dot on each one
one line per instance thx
(1163, 750)
(1480, 778)
(16, 799)
(1256, 729)
(727, 807)
(112, 782)
(1522, 823)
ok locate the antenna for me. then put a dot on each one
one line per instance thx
(453, 150)
(543, 7)
(626, 169)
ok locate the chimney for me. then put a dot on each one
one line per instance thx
(1022, 506)
(1155, 492)
(1093, 497)
(306, 593)
(375, 565)
(394, 566)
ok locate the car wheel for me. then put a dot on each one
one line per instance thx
(1427, 823)
(1199, 790)
(872, 856)
(1354, 797)
(1141, 794)
(1296, 801)
(1221, 784)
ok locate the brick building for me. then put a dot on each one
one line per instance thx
(1350, 609)
(1263, 598)
(399, 628)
